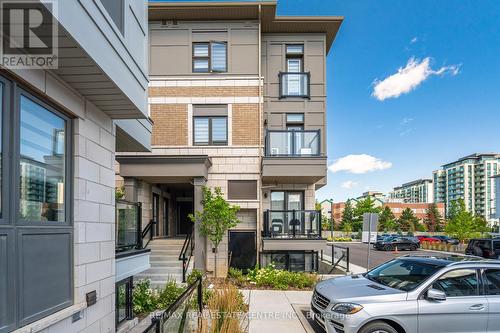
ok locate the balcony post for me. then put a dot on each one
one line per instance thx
(294, 224)
(139, 226)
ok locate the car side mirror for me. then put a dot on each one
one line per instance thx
(435, 295)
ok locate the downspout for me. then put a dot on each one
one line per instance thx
(261, 124)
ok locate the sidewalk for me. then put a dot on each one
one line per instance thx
(271, 311)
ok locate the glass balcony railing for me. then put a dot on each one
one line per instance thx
(294, 84)
(292, 224)
(293, 143)
(128, 226)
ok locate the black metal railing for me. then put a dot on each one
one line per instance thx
(338, 257)
(293, 143)
(292, 224)
(147, 233)
(128, 225)
(186, 253)
(295, 84)
(183, 314)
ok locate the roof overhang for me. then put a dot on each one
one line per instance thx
(246, 10)
(162, 169)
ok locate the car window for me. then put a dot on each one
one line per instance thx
(458, 283)
(484, 244)
(497, 245)
(492, 281)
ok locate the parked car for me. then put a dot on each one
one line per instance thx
(429, 239)
(447, 240)
(486, 248)
(413, 294)
(391, 243)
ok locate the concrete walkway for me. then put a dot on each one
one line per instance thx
(271, 310)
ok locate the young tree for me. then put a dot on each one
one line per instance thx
(364, 206)
(217, 217)
(347, 216)
(386, 220)
(408, 221)
(464, 225)
(433, 219)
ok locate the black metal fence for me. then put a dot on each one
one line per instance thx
(184, 315)
(338, 257)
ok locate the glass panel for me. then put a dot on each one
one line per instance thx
(200, 50)
(294, 117)
(1, 144)
(278, 200)
(280, 143)
(295, 49)
(121, 307)
(218, 57)
(492, 281)
(219, 130)
(42, 163)
(306, 143)
(458, 283)
(294, 65)
(201, 130)
(200, 65)
(294, 201)
(126, 225)
(297, 262)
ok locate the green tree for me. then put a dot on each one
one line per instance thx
(433, 219)
(463, 224)
(347, 216)
(217, 217)
(364, 206)
(386, 220)
(408, 222)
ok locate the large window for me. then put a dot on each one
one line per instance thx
(35, 227)
(210, 131)
(210, 57)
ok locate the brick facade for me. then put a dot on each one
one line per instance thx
(170, 124)
(245, 124)
(196, 91)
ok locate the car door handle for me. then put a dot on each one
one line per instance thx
(477, 307)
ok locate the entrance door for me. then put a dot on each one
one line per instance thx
(156, 213)
(184, 224)
(242, 249)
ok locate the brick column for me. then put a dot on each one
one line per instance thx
(200, 242)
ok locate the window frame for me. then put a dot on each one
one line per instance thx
(210, 134)
(129, 311)
(209, 57)
(16, 159)
(479, 288)
(5, 121)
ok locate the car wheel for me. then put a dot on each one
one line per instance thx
(413, 248)
(378, 327)
(387, 247)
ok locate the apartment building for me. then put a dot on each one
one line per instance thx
(469, 178)
(417, 191)
(237, 94)
(62, 122)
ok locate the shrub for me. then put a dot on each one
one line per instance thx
(224, 306)
(169, 294)
(237, 275)
(147, 299)
(269, 276)
(193, 276)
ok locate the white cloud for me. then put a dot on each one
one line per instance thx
(359, 164)
(406, 121)
(349, 184)
(413, 40)
(408, 78)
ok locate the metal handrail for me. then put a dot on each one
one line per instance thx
(148, 229)
(188, 245)
(310, 233)
(158, 320)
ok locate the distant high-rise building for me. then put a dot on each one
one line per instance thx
(469, 178)
(418, 191)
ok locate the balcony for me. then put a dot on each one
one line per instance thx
(131, 258)
(293, 157)
(294, 85)
(292, 230)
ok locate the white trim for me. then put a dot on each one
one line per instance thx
(205, 82)
(205, 100)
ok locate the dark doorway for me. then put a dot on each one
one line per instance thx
(184, 224)
(242, 249)
(156, 213)
(165, 217)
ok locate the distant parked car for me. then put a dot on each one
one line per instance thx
(401, 243)
(486, 248)
(448, 240)
(428, 239)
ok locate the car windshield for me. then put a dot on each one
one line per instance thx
(402, 274)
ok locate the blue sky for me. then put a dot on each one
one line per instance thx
(444, 105)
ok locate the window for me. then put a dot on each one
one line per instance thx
(210, 57)
(458, 283)
(492, 281)
(210, 131)
(37, 232)
(115, 9)
(497, 245)
(42, 165)
(295, 121)
(242, 189)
